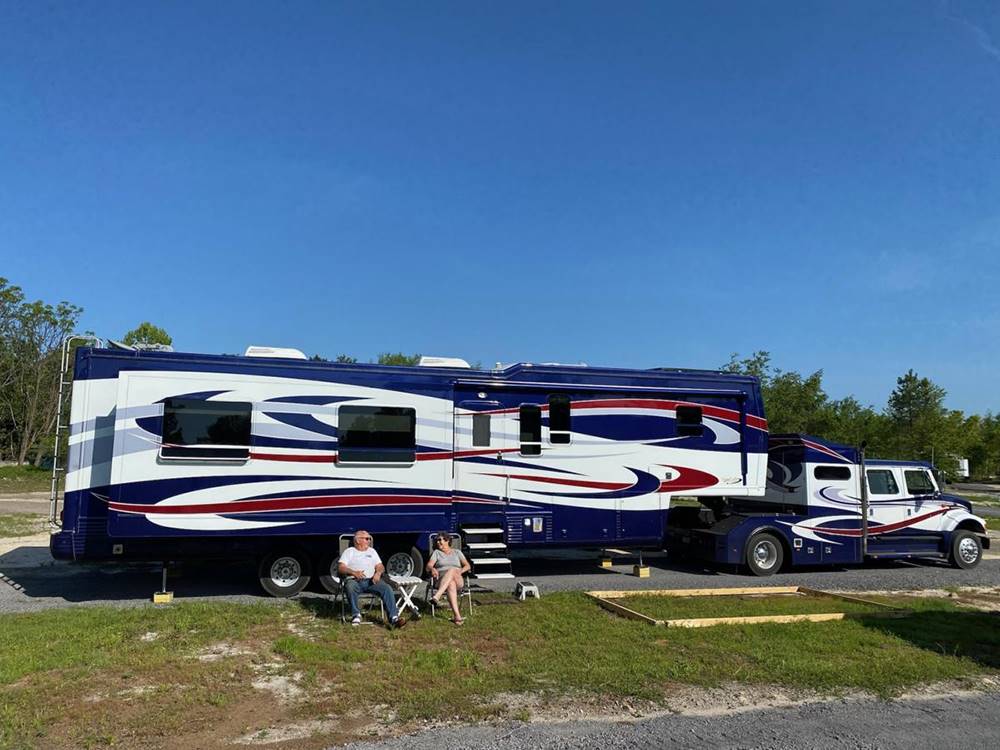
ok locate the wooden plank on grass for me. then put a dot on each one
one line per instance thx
(704, 622)
(847, 597)
(618, 609)
(696, 592)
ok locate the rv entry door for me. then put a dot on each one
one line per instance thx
(481, 480)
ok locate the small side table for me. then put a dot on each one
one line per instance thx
(406, 587)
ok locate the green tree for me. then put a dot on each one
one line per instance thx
(922, 429)
(147, 333)
(398, 358)
(346, 359)
(32, 335)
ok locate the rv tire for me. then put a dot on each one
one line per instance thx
(764, 554)
(284, 572)
(405, 562)
(326, 572)
(966, 550)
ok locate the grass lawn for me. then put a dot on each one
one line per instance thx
(16, 479)
(683, 607)
(21, 524)
(977, 499)
(206, 674)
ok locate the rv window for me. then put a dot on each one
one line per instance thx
(559, 421)
(193, 428)
(881, 482)
(480, 430)
(531, 430)
(918, 483)
(380, 434)
(689, 421)
(832, 472)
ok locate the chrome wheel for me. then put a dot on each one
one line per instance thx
(968, 550)
(285, 571)
(399, 564)
(765, 554)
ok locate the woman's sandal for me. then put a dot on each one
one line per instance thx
(458, 620)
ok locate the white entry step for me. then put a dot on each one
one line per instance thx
(484, 530)
(482, 576)
(486, 545)
(490, 561)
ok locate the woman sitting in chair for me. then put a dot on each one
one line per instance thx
(448, 567)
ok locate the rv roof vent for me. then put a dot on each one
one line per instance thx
(146, 347)
(443, 362)
(273, 351)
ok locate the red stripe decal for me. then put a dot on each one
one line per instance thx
(280, 504)
(884, 529)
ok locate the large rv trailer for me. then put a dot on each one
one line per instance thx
(818, 510)
(175, 456)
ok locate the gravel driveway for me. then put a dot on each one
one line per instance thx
(967, 721)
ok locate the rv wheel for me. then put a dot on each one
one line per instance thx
(764, 554)
(405, 563)
(327, 573)
(284, 572)
(966, 550)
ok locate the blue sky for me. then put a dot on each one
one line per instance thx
(634, 184)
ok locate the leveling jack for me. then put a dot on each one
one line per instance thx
(163, 596)
(640, 570)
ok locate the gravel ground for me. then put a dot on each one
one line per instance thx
(968, 721)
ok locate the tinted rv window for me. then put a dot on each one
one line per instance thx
(193, 428)
(881, 482)
(385, 434)
(918, 483)
(480, 430)
(689, 420)
(531, 430)
(559, 420)
(832, 472)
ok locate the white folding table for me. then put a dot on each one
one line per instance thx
(406, 587)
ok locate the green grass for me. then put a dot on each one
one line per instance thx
(683, 607)
(564, 644)
(16, 479)
(982, 499)
(21, 524)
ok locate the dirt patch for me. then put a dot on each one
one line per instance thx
(983, 598)
(217, 651)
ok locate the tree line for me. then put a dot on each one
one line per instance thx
(914, 424)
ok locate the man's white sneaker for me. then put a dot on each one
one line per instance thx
(356, 620)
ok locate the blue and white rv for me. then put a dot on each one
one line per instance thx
(280, 459)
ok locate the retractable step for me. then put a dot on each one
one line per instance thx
(487, 550)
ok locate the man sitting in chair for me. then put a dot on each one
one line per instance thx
(362, 571)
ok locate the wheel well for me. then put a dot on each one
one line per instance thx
(970, 525)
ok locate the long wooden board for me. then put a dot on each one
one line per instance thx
(604, 598)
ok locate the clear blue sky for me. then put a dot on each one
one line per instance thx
(618, 183)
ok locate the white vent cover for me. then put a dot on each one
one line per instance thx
(443, 362)
(273, 351)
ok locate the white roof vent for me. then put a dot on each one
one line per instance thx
(273, 351)
(443, 362)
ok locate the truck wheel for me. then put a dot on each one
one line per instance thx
(966, 550)
(405, 563)
(284, 572)
(764, 554)
(327, 573)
